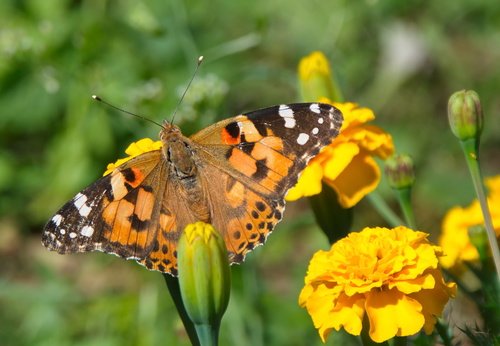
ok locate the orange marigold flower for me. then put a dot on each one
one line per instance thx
(133, 150)
(454, 237)
(391, 275)
(347, 164)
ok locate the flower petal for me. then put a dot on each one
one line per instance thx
(359, 179)
(391, 313)
(309, 183)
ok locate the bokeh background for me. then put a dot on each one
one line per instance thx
(401, 58)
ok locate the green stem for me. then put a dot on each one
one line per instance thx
(383, 209)
(404, 198)
(175, 292)
(443, 333)
(471, 157)
(207, 334)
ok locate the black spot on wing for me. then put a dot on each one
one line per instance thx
(261, 171)
(138, 224)
(233, 129)
(247, 147)
(128, 174)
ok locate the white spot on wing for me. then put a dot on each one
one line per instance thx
(62, 231)
(80, 200)
(79, 203)
(87, 231)
(314, 107)
(57, 219)
(321, 120)
(315, 131)
(287, 113)
(302, 138)
(85, 210)
(72, 235)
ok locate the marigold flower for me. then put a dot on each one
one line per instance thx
(454, 238)
(389, 274)
(133, 150)
(347, 164)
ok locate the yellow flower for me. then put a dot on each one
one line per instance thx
(391, 275)
(454, 237)
(347, 164)
(133, 150)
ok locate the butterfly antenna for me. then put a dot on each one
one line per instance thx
(200, 60)
(97, 98)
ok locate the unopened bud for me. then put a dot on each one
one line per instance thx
(315, 78)
(399, 171)
(465, 114)
(204, 274)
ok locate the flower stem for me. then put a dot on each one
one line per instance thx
(383, 209)
(208, 334)
(175, 292)
(469, 147)
(404, 198)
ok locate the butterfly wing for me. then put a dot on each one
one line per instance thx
(254, 159)
(246, 165)
(116, 214)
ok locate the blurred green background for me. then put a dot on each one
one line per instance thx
(401, 58)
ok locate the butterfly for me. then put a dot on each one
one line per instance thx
(233, 174)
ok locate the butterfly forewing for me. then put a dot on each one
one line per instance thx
(268, 148)
(116, 214)
(233, 174)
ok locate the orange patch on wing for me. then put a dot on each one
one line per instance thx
(250, 132)
(122, 226)
(273, 142)
(139, 238)
(228, 139)
(109, 212)
(138, 177)
(235, 195)
(167, 223)
(274, 160)
(144, 205)
(242, 162)
(235, 236)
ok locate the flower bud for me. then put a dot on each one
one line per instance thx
(465, 114)
(204, 274)
(399, 171)
(315, 78)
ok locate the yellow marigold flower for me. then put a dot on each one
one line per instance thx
(391, 275)
(454, 237)
(347, 165)
(133, 150)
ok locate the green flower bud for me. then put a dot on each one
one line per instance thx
(204, 276)
(315, 79)
(399, 171)
(465, 114)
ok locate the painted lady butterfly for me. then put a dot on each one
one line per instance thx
(233, 174)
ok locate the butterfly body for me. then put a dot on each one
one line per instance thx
(233, 175)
